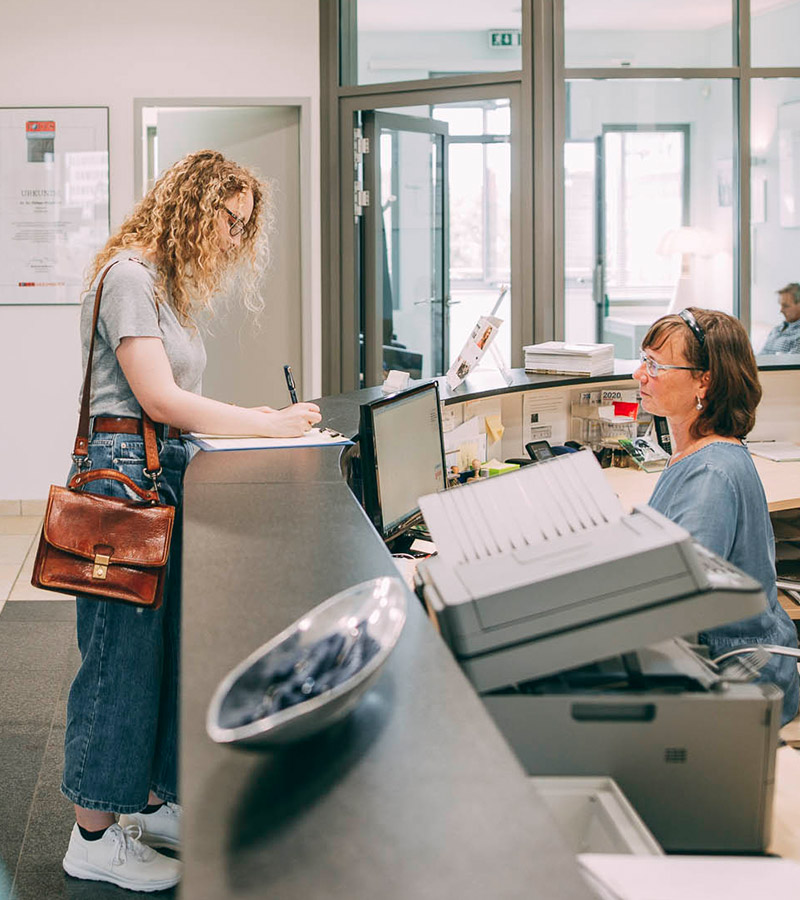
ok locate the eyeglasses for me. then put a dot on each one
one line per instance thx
(654, 368)
(690, 320)
(237, 225)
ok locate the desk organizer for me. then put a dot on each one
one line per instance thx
(314, 672)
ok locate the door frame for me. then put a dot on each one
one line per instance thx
(371, 254)
(601, 240)
(310, 317)
(349, 326)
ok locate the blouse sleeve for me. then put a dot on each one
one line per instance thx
(706, 504)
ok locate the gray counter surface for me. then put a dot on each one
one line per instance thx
(416, 794)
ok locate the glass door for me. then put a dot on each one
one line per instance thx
(404, 266)
(643, 202)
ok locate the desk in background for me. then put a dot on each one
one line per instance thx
(781, 482)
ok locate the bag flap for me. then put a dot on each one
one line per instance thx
(124, 530)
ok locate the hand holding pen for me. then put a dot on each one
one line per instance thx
(299, 416)
(287, 374)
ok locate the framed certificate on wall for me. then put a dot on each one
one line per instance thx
(54, 203)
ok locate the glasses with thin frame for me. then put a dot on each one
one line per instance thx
(654, 368)
(236, 227)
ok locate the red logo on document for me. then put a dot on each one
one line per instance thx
(47, 127)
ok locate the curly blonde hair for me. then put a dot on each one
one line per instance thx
(177, 221)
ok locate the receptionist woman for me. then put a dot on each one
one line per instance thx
(698, 370)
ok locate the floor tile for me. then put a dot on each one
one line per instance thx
(21, 756)
(24, 591)
(33, 507)
(20, 524)
(55, 611)
(14, 548)
(8, 575)
(25, 646)
(27, 704)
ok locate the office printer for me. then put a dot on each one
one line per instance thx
(564, 613)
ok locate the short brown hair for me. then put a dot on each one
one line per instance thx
(734, 390)
(793, 289)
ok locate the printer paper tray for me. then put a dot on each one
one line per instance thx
(554, 652)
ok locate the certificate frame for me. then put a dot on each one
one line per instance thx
(55, 210)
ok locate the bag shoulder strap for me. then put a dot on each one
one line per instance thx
(81, 448)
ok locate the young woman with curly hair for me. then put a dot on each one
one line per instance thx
(200, 229)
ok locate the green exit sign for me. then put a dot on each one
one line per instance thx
(511, 38)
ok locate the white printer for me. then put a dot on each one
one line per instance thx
(564, 613)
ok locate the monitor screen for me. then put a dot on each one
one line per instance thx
(402, 456)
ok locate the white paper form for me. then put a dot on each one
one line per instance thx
(312, 438)
(544, 418)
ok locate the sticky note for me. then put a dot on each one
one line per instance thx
(494, 428)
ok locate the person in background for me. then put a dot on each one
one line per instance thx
(698, 370)
(785, 338)
(198, 230)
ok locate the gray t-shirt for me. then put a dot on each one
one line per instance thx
(128, 309)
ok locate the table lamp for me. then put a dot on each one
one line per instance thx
(689, 241)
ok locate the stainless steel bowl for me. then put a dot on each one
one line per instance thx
(380, 602)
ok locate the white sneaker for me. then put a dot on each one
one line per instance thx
(122, 859)
(159, 829)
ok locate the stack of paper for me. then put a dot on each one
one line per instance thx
(560, 358)
(778, 451)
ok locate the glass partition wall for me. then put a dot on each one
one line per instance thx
(673, 189)
(595, 164)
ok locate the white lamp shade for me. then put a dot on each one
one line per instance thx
(688, 239)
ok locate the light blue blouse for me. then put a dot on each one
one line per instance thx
(717, 496)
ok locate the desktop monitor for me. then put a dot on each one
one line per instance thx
(402, 457)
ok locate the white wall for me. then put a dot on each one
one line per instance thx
(93, 53)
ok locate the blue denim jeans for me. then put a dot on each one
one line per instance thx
(122, 713)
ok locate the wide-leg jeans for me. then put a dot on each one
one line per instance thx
(122, 713)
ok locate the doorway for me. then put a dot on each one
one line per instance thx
(245, 357)
(427, 249)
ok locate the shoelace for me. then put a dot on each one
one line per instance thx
(126, 840)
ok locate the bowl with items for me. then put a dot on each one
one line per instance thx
(314, 672)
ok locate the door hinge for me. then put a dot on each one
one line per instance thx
(360, 147)
(360, 198)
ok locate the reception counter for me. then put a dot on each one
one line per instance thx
(416, 794)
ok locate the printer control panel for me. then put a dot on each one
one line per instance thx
(721, 573)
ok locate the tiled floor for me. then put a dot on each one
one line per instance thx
(38, 659)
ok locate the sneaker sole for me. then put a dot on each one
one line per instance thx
(160, 843)
(89, 873)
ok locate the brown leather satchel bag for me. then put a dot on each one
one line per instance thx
(105, 547)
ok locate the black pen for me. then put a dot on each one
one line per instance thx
(287, 371)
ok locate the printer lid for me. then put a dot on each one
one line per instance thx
(486, 525)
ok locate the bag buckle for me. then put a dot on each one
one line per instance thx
(153, 476)
(100, 565)
(81, 461)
